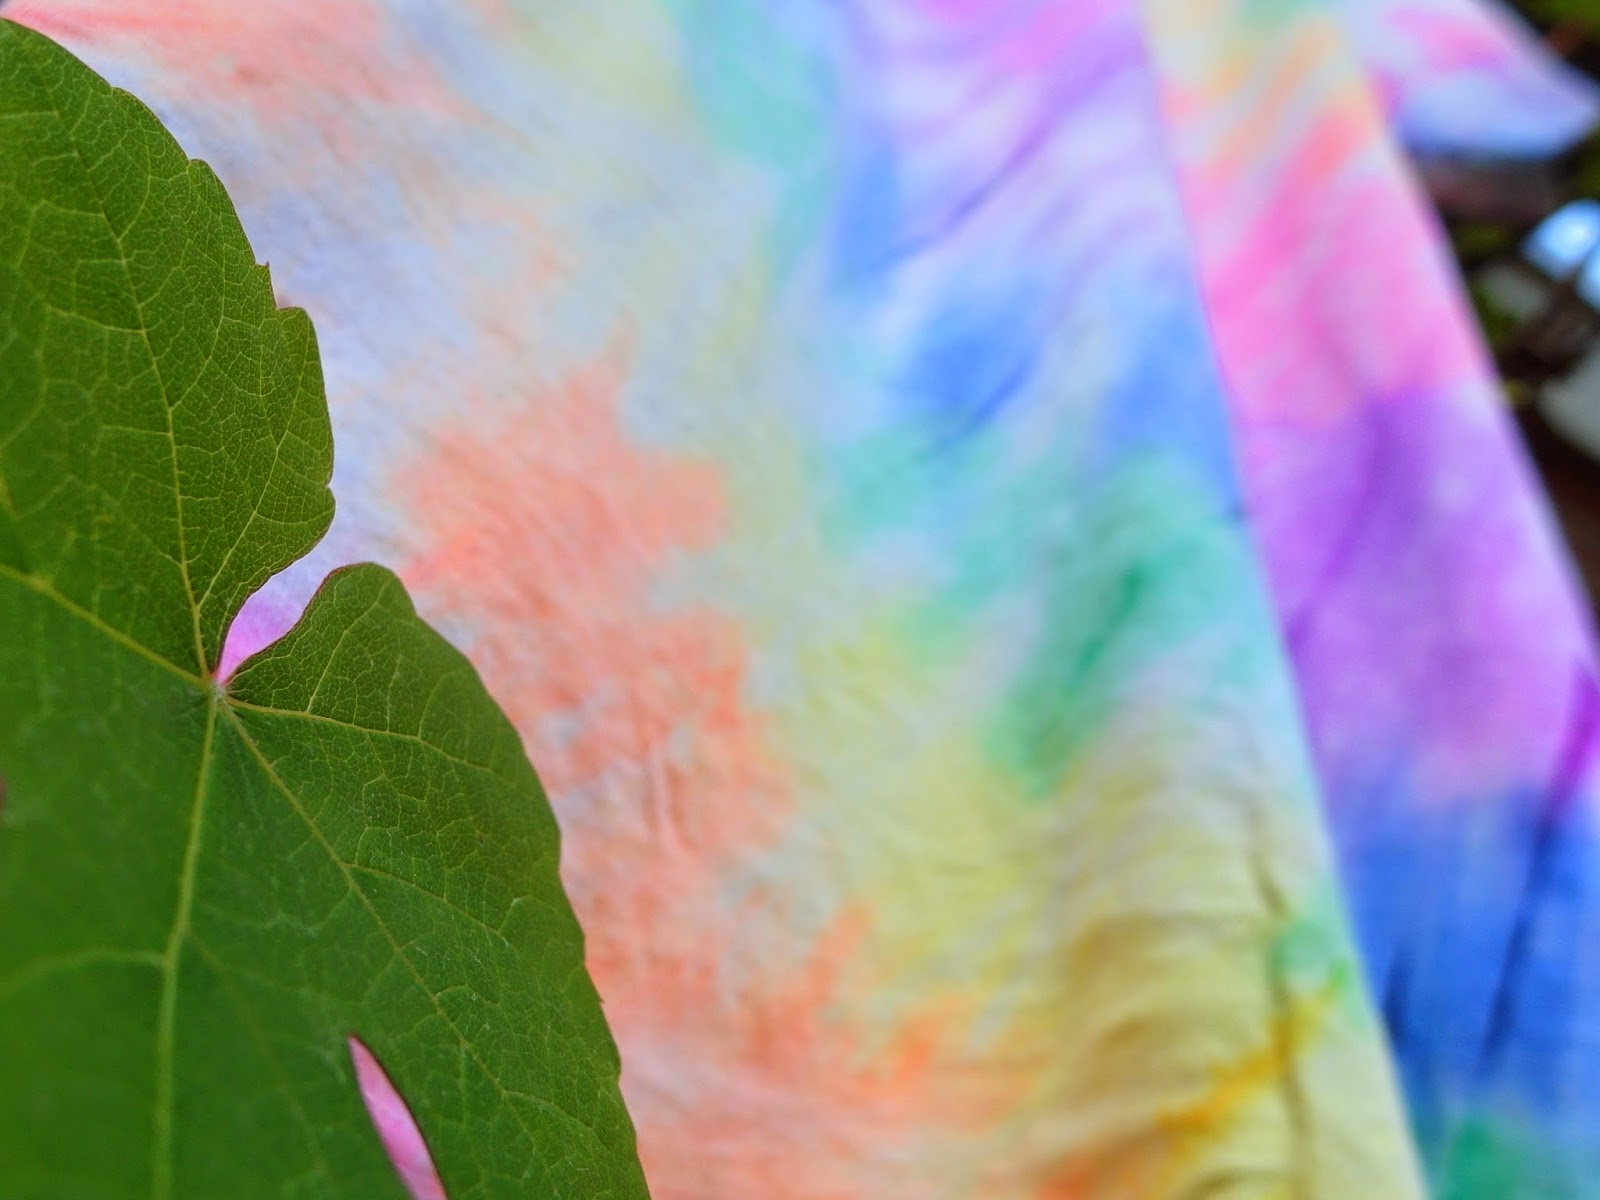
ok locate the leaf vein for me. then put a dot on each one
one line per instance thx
(47, 590)
(166, 1027)
(399, 949)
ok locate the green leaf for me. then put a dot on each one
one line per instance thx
(205, 891)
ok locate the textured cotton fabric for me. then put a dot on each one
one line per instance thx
(997, 531)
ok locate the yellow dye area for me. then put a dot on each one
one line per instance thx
(1194, 1127)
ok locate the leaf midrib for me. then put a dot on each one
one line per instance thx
(166, 1020)
(167, 960)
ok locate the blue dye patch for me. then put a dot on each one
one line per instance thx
(1169, 400)
(971, 360)
(867, 233)
(1474, 924)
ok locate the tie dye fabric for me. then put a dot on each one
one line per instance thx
(996, 530)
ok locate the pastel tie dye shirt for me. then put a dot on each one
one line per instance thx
(998, 533)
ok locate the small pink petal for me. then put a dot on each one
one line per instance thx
(399, 1132)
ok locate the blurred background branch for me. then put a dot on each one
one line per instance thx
(1527, 236)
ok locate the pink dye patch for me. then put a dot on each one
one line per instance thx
(401, 1137)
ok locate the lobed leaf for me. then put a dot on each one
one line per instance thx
(205, 891)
